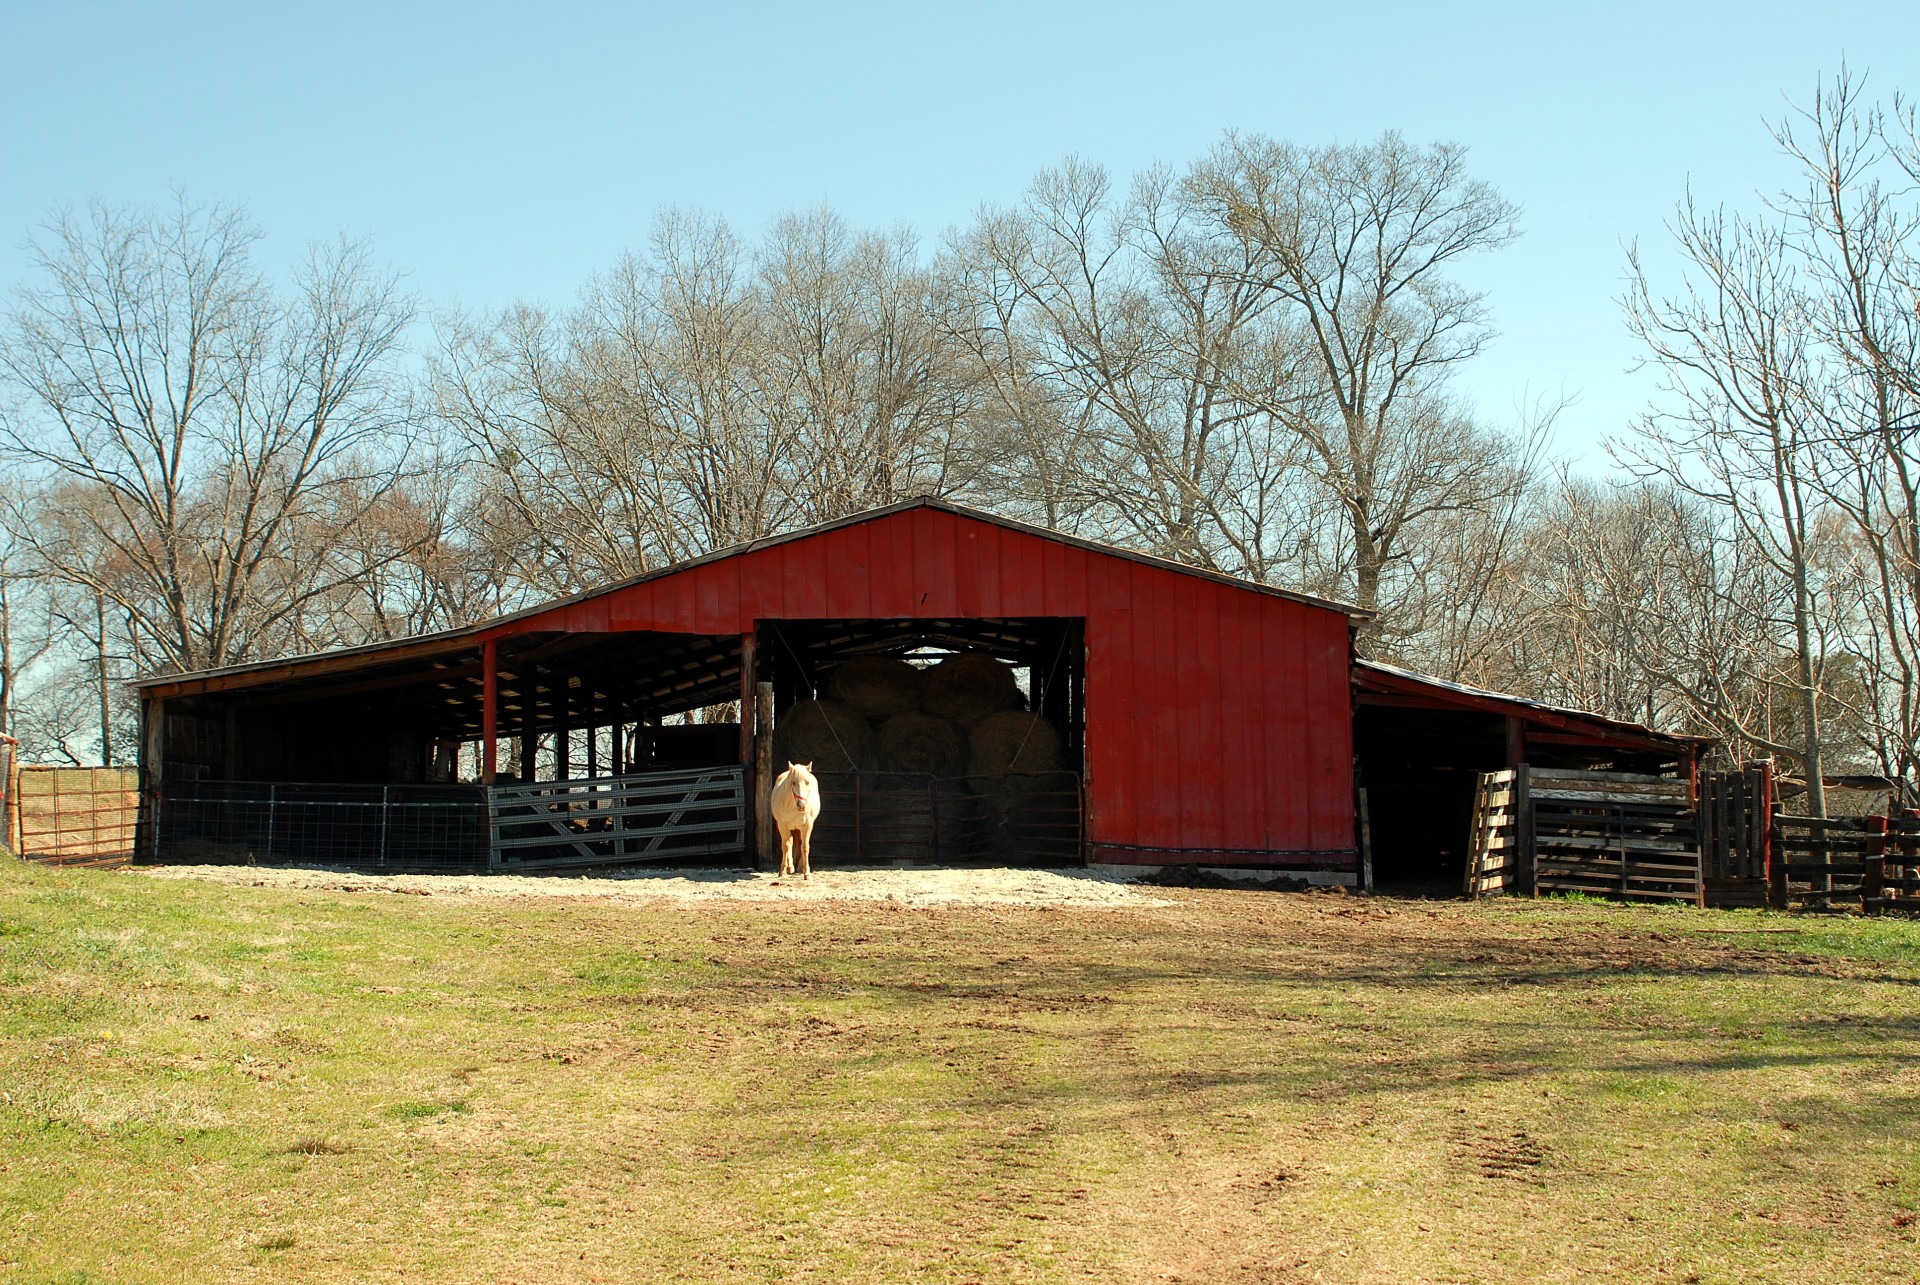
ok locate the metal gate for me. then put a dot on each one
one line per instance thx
(1013, 819)
(654, 816)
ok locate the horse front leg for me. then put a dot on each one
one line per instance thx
(805, 835)
(786, 852)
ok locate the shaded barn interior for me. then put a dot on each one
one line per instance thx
(581, 707)
(1420, 744)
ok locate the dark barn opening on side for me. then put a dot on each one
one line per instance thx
(1421, 743)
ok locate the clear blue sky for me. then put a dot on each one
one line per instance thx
(500, 152)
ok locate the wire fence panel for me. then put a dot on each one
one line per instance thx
(78, 816)
(653, 816)
(367, 827)
(1024, 819)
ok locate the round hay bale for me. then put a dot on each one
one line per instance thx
(967, 688)
(1013, 741)
(877, 686)
(922, 743)
(831, 736)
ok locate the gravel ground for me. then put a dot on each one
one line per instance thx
(917, 886)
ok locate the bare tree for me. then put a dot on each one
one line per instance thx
(1356, 242)
(707, 393)
(191, 418)
(1742, 424)
(1853, 219)
(24, 635)
(1116, 336)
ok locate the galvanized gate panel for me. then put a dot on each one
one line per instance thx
(652, 816)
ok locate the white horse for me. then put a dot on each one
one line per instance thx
(796, 806)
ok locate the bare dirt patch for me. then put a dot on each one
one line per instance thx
(916, 886)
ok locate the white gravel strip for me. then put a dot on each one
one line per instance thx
(909, 886)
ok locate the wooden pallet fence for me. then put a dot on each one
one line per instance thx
(1828, 862)
(1900, 865)
(1614, 834)
(1494, 842)
(1735, 811)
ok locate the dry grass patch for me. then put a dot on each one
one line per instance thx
(210, 1082)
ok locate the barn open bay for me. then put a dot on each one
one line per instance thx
(265, 1083)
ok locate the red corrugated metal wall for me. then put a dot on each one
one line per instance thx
(1219, 724)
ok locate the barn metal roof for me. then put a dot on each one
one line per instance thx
(421, 647)
(1375, 676)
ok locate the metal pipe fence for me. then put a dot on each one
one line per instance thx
(1024, 819)
(76, 816)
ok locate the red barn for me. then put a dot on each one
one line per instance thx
(1205, 720)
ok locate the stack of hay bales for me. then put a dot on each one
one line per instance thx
(829, 734)
(966, 688)
(1013, 741)
(922, 743)
(899, 724)
(878, 687)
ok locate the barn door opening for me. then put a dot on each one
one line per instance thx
(936, 741)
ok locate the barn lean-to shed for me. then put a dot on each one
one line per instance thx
(1207, 721)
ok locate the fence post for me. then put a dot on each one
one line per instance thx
(859, 852)
(1776, 863)
(273, 808)
(933, 818)
(10, 816)
(1523, 856)
(1366, 845)
(386, 819)
(1760, 808)
(760, 793)
(1873, 881)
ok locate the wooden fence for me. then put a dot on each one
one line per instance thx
(74, 816)
(1645, 837)
(1496, 834)
(1614, 834)
(1900, 866)
(1869, 863)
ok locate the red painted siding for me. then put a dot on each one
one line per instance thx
(1219, 728)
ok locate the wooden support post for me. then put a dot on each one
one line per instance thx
(230, 743)
(529, 723)
(10, 783)
(749, 676)
(1516, 741)
(765, 850)
(1366, 845)
(1873, 881)
(563, 735)
(617, 751)
(1773, 862)
(153, 772)
(489, 711)
(593, 751)
(1523, 868)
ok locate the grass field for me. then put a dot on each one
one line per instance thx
(201, 1082)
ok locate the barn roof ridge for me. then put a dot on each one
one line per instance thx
(445, 639)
